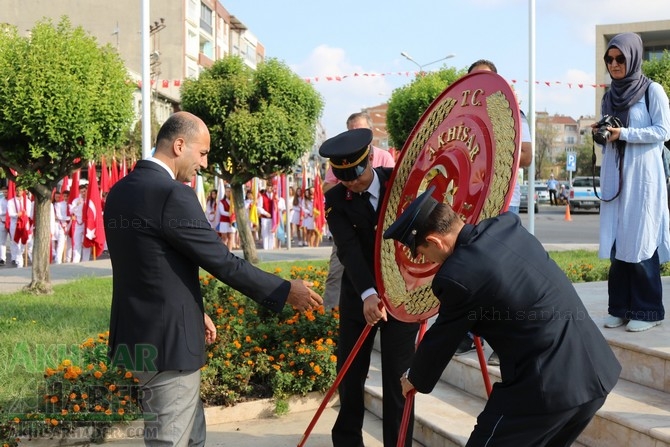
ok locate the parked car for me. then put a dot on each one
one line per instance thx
(523, 206)
(583, 195)
(542, 193)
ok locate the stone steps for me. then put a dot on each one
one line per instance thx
(636, 413)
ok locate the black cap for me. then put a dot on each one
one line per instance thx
(403, 229)
(348, 153)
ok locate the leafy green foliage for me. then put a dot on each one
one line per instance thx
(260, 121)
(62, 98)
(408, 103)
(659, 70)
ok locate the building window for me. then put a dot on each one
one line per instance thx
(192, 11)
(207, 48)
(205, 18)
(192, 43)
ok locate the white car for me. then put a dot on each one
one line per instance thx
(542, 193)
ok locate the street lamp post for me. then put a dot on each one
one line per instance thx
(409, 58)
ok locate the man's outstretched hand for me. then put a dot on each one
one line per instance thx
(302, 297)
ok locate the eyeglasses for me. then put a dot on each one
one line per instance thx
(620, 59)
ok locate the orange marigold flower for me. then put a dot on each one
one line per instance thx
(54, 399)
(84, 395)
(73, 396)
(76, 408)
(111, 387)
(63, 411)
(97, 408)
(121, 411)
(16, 420)
(128, 375)
(247, 339)
(90, 366)
(54, 422)
(66, 362)
(97, 374)
(108, 412)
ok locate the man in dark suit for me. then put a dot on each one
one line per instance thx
(497, 281)
(352, 210)
(158, 238)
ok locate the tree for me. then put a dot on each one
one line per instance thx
(658, 69)
(408, 103)
(260, 123)
(62, 99)
(545, 135)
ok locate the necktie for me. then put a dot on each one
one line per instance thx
(366, 196)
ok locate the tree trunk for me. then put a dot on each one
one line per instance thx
(243, 227)
(41, 278)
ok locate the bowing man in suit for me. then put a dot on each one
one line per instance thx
(497, 281)
(158, 238)
(352, 211)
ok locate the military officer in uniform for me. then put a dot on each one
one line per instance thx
(352, 211)
(497, 281)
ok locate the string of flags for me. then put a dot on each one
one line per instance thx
(167, 83)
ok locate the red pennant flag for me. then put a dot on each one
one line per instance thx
(104, 176)
(165, 83)
(319, 206)
(94, 235)
(177, 82)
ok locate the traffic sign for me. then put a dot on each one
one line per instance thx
(571, 162)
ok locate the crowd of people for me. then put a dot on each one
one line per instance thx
(67, 228)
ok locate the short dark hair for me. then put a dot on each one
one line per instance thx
(440, 220)
(359, 115)
(177, 125)
(486, 62)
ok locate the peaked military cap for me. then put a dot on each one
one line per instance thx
(348, 153)
(403, 229)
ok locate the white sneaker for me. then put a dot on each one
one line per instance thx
(639, 326)
(611, 321)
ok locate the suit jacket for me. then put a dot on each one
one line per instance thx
(158, 238)
(501, 284)
(353, 224)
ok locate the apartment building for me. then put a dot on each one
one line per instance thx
(186, 37)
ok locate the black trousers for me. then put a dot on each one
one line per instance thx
(635, 289)
(398, 342)
(558, 429)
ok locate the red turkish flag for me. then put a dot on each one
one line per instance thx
(74, 194)
(104, 176)
(114, 177)
(319, 206)
(94, 235)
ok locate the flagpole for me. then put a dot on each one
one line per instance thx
(146, 81)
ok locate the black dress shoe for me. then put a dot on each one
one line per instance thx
(2, 262)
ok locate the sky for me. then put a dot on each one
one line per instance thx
(321, 39)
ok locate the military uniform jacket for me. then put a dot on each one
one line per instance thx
(158, 238)
(502, 285)
(353, 224)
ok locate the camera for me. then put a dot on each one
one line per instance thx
(601, 135)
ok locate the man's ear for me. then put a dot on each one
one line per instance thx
(432, 237)
(178, 146)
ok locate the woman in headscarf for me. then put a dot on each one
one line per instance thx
(634, 221)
